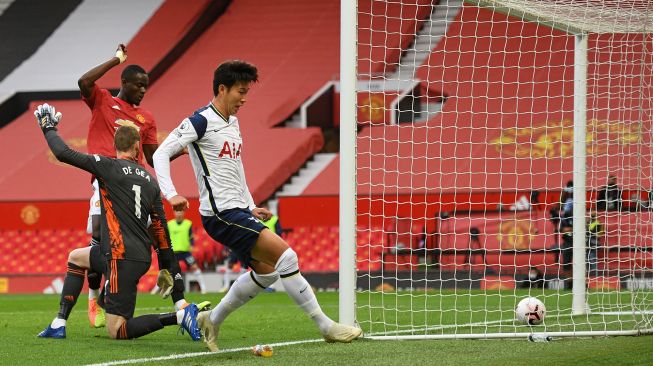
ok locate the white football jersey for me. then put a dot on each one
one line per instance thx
(215, 149)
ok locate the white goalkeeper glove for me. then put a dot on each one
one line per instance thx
(121, 53)
(47, 117)
(165, 283)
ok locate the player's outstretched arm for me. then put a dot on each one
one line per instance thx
(172, 146)
(48, 119)
(87, 81)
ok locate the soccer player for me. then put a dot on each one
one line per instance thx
(129, 197)
(181, 234)
(228, 212)
(109, 113)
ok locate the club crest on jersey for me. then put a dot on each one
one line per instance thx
(230, 149)
(140, 118)
(126, 122)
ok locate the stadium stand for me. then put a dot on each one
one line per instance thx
(21, 45)
(518, 103)
(78, 43)
(290, 68)
(524, 242)
(46, 251)
(317, 247)
(165, 35)
(509, 243)
(294, 57)
(460, 158)
(385, 31)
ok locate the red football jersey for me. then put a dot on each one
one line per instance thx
(111, 112)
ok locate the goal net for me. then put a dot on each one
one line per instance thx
(502, 150)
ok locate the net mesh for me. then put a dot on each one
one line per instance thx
(465, 162)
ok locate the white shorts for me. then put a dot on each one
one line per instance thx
(94, 206)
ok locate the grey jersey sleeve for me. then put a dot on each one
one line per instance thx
(94, 164)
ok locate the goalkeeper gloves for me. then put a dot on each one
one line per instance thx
(165, 283)
(47, 117)
(121, 53)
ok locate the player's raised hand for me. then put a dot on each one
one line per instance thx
(179, 203)
(47, 117)
(165, 283)
(121, 53)
(262, 214)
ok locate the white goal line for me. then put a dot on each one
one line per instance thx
(197, 354)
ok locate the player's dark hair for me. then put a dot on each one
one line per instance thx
(130, 71)
(231, 72)
(125, 138)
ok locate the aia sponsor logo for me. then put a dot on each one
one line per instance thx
(230, 150)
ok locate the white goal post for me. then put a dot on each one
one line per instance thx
(540, 93)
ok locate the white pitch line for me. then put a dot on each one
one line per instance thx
(197, 354)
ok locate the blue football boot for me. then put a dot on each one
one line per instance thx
(49, 332)
(189, 322)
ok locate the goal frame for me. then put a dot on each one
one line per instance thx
(348, 170)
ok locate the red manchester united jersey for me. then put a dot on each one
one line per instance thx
(109, 113)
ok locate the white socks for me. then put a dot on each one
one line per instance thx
(250, 284)
(58, 323)
(180, 315)
(200, 280)
(300, 290)
(93, 294)
(180, 304)
(246, 287)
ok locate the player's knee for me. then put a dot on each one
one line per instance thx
(114, 324)
(288, 263)
(266, 280)
(76, 257)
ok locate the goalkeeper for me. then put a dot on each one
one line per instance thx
(129, 196)
(109, 113)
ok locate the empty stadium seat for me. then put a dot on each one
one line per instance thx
(39, 251)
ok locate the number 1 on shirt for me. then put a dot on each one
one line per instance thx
(137, 197)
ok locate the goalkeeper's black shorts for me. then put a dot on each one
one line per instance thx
(121, 286)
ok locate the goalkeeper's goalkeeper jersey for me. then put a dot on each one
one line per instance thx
(215, 147)
(129, 196)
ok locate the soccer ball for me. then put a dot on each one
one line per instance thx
(530, 311)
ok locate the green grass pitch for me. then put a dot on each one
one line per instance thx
(273, 318)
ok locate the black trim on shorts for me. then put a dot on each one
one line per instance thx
(288, 274)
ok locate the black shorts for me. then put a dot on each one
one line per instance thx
(186, 257)
(237, 229)
(97, 261)
(121, 286)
